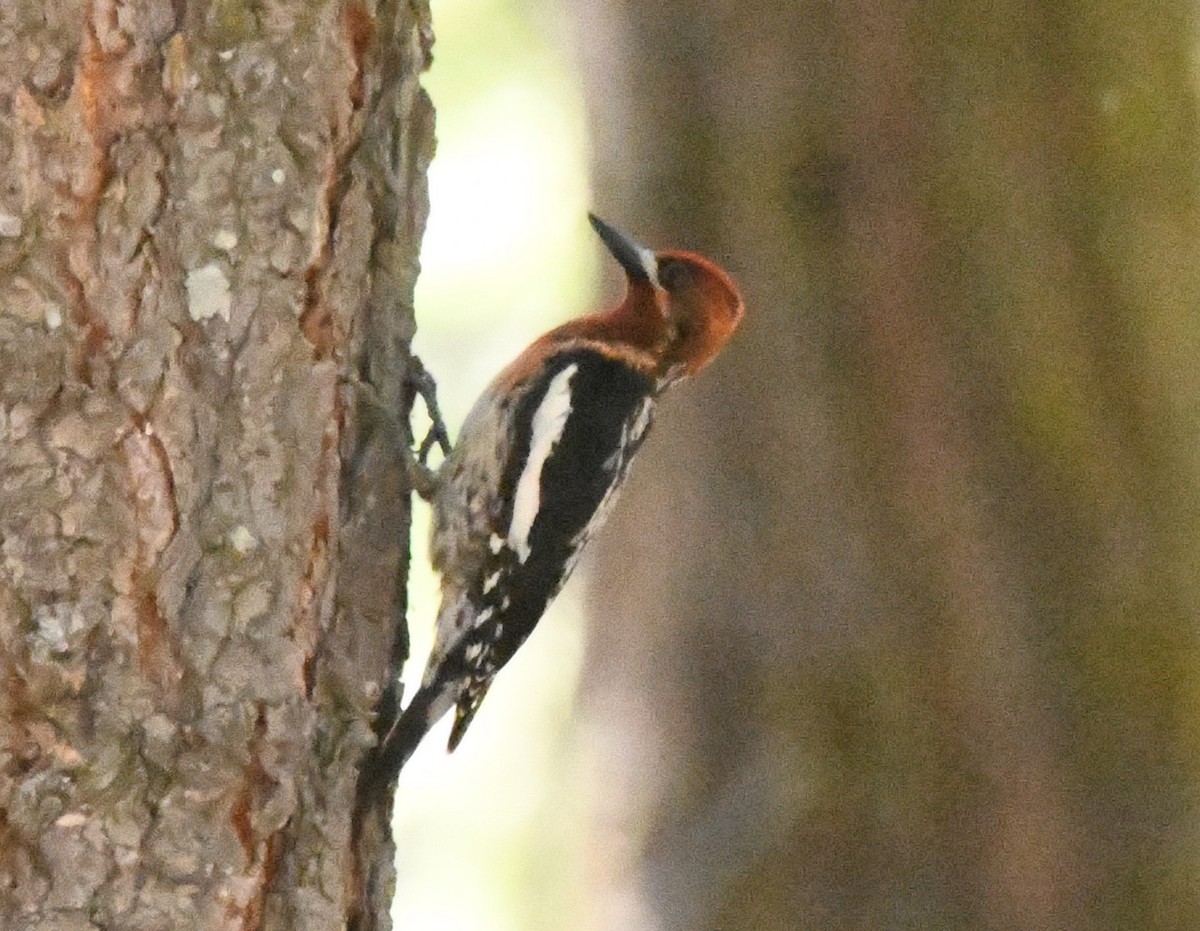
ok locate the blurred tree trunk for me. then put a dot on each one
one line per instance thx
(209, 219)
(898, 623)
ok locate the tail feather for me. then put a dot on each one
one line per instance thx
(401, 740)
(428, 707)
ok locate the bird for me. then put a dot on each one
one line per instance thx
(538, 465)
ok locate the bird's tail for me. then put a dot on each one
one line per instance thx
(398, 743)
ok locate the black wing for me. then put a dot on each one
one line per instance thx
(610, 409)
(610, 412)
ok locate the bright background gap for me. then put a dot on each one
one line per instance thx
(489, 839)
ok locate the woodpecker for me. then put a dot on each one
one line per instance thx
(539, 462)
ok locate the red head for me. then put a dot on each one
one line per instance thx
(680, 308)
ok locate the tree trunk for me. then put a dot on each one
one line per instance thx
(898, 625)
(209, 221)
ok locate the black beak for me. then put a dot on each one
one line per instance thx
(638, 261)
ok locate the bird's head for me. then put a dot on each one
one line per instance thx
(681, 306)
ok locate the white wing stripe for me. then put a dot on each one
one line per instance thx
(548, 424)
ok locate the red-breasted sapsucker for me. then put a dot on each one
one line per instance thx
(540, 460)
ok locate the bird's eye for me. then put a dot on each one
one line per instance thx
(671, 273)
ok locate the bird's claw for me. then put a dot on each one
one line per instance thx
(422, 383)
(421, 477)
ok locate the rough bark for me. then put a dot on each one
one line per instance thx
(209, 219)
(897, 624)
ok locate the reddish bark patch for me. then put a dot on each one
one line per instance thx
(360, 30)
